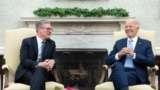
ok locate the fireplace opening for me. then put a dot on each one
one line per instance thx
(80, 68)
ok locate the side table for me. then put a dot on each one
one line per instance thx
(1, 72)
(158, 73)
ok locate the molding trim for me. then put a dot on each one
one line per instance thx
(2, 50)
(76, 19)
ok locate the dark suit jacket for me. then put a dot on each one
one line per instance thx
(144, 57)
(29, 53)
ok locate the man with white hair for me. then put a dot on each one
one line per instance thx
(130, 57)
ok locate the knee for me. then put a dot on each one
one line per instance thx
(40, 69)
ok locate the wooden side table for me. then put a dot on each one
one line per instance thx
(1, 72)
(158, 73)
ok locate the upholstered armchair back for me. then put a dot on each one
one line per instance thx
(13, 39)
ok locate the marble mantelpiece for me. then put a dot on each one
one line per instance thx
(73, 32)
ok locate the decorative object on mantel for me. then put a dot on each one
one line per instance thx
(80, 12)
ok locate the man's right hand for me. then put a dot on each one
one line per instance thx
(44, 64)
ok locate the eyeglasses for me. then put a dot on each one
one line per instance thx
(48, 29)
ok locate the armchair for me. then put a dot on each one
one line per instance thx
(13, 39)
(108, 85)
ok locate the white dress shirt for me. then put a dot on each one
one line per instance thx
(39, 42)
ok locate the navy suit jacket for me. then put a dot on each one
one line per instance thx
(29, 53)
(144, 57)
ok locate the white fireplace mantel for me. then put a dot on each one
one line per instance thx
(79, 25)
(2, 50)
(76, 19)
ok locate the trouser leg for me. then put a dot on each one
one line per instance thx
(119, 77)
(132, 77)
(38, 79)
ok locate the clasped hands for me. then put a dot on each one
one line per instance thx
(126, 51)
(47, 64)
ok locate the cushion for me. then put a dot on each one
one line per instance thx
(109, 86)
(49, 86)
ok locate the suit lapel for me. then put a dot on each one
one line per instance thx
(35, 45)
(138, 45)
(124, 43)
(46, 49)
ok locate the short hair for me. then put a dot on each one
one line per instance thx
(40, 23)
(134, 21)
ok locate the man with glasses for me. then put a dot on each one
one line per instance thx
(37, 58)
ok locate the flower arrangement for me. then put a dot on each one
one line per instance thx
(70, 88)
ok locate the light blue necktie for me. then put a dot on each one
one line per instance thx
(42, 50)
(129, 60)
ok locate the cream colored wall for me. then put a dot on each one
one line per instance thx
(146, 11)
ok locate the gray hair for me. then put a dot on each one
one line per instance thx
(40, 23)
(134, 21)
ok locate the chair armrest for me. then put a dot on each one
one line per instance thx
(104, 73)
(5, 69)
(155, 68)
(152, 74)
(55, 74)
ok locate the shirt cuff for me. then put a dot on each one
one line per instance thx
(134, 56)
(116, 57)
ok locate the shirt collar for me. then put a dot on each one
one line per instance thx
(39, 40)
(134, 39)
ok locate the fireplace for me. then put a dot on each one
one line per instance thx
(81, 46)
(80, 67)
